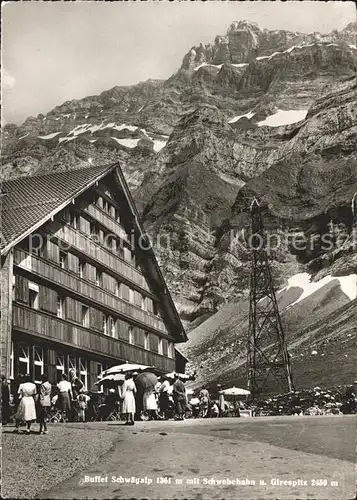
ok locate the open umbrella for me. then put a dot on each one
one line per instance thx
(115, 377)
(182, 376)
(146, 380)
(126, 367)
(235, 391)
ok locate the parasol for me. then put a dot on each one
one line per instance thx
(235, 391)
(115, 377)
(146, 380)
(182, 376)
(126, 367)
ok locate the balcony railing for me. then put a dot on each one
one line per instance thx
(44, 325)
(83, 288)
(85, 244)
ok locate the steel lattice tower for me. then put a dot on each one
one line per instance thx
(267, 355)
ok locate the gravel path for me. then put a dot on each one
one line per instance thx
(33, 463)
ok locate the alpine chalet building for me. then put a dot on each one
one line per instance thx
(80, 285)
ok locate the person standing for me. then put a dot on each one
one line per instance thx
(5, 400)
(65, 397)
(26, 411)
(129, 391)
(150, 403)
(179, 395)
(164, 399)
(44, 403)
(221, 404)
(77, 388)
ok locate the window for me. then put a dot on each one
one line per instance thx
(105, 206)
(131, 335)
(24, 359)
(94, 231)
(39, 363)
(113, 326)
(74, 220)
(112, 211)
(160, 349)
(132, 258)
(81, 268)
(33, 295)
(117, 215)
(83, 372)
(98, 278)
(105, 324)
(12, 361)
(85, 316)
(72, 363)
(131, 296)
(171, 350)
(120, 248)
(143, 303)
(63, 260)
(118, 288)
(60, 306)
(146, 341)
(59, 365)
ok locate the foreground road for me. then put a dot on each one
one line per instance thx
(285, 458)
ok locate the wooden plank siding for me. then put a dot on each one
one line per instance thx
(87, 291)
(100, 254)
(43, 325)
(109, 223)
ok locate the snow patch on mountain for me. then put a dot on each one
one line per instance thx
(128, 143)
(238, 117)
(283, 117)
(49, 136)
(211, 65)
(158, 145)
(348, 285)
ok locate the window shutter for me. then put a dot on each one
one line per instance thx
(95, 319)
(90, 272)
(154, 342)
(73, 262)
(123, 330)
(73, 310)
(48, 299)
(22, 289)
(52, 251)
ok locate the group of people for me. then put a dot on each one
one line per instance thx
(155, 400)
(33, 403)
(131, 400)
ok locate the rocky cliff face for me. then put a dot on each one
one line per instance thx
(258, 112)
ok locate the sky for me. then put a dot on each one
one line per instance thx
(58, 51)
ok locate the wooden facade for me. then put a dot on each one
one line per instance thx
(80, 295)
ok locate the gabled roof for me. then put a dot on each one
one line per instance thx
(28, 202)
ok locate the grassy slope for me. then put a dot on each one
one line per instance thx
(325, 322)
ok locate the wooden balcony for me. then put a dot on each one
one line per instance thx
(107, 221)
(99, 254)
(46, 326)
(84, 289)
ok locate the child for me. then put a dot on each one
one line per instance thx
(82, 399)
(45, 403)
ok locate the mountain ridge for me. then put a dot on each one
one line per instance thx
(270, 114)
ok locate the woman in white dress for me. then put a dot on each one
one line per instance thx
(26, 411)
(129, 391)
